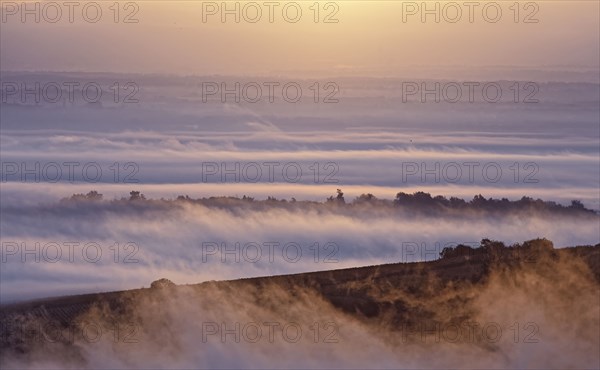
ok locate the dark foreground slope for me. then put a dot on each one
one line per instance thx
(531, 291)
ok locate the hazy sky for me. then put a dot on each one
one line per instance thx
(369, 38)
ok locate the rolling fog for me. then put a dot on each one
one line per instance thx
(172, 142)
(76, 247)
(537, 316)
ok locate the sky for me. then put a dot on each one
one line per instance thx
(373, 38)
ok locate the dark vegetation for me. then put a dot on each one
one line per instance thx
(162, 284)
(395, 295)
(419, 203)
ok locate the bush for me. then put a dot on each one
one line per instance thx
(162, 284)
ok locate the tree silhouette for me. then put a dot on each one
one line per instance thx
(366, 198)
(93, 195)
(577, 204)
(340, 196)
(136, 195)
(338, 199)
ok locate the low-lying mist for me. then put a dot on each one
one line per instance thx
(520, 315)
(83, 245)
